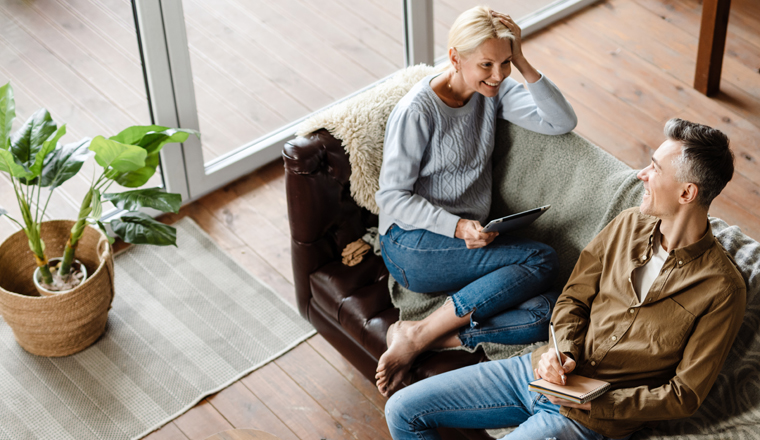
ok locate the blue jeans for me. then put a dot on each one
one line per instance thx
(504, 284)
(487, 395)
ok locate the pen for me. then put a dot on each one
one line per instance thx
(556, 348)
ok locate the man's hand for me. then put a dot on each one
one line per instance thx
(549, 368)
(562, 402)
(472, 233)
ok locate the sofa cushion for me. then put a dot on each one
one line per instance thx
(334, 284)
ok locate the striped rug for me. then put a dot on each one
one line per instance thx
(186, 322)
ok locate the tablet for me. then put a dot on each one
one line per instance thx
(515, 221)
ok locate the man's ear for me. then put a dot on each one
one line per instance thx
(689, 193)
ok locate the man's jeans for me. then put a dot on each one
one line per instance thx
(486, 395)
(504, 284)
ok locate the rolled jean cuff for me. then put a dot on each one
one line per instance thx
(462, 309)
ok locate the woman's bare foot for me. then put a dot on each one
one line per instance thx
(394, 364)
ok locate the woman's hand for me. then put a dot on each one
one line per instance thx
(472, 233)
(516, 31)
(518, 59)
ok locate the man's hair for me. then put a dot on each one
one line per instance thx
(705, 159)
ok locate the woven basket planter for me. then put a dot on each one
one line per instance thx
(68, 322)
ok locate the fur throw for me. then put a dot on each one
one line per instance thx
(359, 123)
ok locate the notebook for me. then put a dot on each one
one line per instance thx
(578, 389)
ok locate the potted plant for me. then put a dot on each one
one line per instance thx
(34, 159)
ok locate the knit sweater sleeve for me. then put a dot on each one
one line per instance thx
(540, 108)
(407, 135)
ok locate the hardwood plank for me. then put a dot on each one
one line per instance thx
(656, 41)
(286, 49)
(334, 393)
(124, 90)
(351, 373)
(350, 27)
(202, 421)
(732, 212)
(741, 132)
(385, 16)
(167, 432)
(686, 15)
(245, 411)
(236, 112)
(576, 84)
(290, 402)
(611, 137)
(745, 19)
(243, 71)
(119, 60)
(288, 77)
(117, 32)
(613, 68)
(250, 226)
(267, 199)
(739, 102)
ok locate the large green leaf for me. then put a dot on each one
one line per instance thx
(133, 134)
(154, 142)
(138, 178)
(7, 115)
(121, 157)
(104, 230)
(140, 228)
(64, 163)
(47, 147)
(154, 198)
(8, 164)
(28, 140)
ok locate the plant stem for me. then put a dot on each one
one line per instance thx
(47, 277)
(76, 233)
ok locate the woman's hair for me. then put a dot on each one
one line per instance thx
(473, 27)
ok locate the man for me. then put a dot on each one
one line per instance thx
(652, 306)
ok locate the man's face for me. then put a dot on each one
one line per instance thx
(661, 189)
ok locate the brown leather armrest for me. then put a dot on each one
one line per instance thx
(323, 216)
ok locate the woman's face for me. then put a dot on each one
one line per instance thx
(484, 69)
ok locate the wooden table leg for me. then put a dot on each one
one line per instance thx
(712, 43)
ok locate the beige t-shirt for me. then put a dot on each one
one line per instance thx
(644, 276)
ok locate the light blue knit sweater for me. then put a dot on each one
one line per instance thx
(437, 159)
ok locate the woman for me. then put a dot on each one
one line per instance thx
(435, 191)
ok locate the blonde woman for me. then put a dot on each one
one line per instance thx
(435, 193)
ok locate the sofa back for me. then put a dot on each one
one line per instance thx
(586, 186)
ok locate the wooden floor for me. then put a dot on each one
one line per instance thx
(625, 65)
